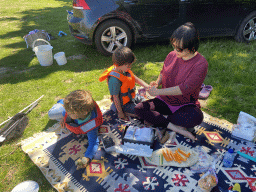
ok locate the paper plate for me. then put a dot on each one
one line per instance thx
(158, 159)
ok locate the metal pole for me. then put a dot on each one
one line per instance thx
(22, 110)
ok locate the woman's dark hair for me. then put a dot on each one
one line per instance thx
(123, 56)
(187, 36)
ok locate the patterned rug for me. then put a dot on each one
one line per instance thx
(56, 150)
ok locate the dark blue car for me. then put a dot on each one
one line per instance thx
(112, 23)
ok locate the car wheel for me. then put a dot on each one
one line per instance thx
(112, 34)
(247, 30)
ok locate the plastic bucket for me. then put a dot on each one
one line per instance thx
(43, 53)
(60, 58)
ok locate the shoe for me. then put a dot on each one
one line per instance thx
(202, 86)
(172, 136)
(165, 137)
(51, 37)
(205, 92)
(162, 135)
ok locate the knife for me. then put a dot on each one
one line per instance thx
(246, 156)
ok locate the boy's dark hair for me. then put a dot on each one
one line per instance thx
(79, 102)
(187, 36)
(123, 56)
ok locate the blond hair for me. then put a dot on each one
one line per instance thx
(79, 102)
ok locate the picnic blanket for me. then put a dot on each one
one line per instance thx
(56, 150)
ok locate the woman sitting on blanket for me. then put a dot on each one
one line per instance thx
(181, 78)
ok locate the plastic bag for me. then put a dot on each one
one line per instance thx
(245, 127)
(205, 161)
(144, 134)
(208, 180)
(139, 134)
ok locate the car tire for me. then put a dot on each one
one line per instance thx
(112, 34)
(247, 30)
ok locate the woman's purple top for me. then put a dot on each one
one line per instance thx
(188, 75)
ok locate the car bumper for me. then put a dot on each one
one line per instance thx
(75, 24)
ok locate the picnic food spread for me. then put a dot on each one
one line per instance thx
(170, 156)
(178, 157)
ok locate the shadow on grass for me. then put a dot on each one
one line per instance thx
(222, 101)
(50, 124)
(30, 171)
(52, 20)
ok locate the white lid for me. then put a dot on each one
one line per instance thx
(26, 186)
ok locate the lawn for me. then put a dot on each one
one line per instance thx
(232, 70)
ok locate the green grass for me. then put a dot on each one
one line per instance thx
(232, 70)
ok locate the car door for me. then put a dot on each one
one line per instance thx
(156, 17)
(213, 17)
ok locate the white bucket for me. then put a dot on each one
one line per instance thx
(60, 58)
(43, 53)
(27, 186)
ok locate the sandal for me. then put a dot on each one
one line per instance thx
(205, 92)
(165, 137)
(162, 135)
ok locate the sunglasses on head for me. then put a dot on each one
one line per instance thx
(177, 49)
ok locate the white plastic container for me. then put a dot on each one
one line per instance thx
(43, 53)
(26, 186)
(60, 58)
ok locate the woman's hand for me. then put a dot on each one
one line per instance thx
(153, 91)
(122, 116)
(153, 83)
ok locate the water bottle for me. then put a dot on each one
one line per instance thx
(228, 158)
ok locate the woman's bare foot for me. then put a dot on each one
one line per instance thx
(188, 135)
(181, 130)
